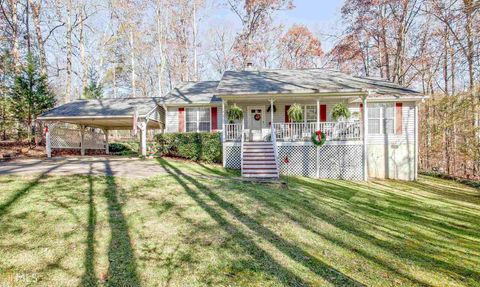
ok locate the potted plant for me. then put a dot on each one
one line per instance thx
(340, 112)
(235, 113)
(295, 113)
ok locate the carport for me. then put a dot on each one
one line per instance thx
(103, 115)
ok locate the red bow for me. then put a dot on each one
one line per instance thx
(319, 135)
(286, 160)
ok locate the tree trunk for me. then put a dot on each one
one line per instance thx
(68, 91)
(194, 28)
(81, 40)
(36, 7)
(15, 53)
(132, 56)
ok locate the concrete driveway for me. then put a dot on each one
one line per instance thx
(98, 165)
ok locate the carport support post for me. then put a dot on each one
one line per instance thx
(48, 141)
(105, 131)
(143, 137)
(82, 140)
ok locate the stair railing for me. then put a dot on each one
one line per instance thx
(242, 140)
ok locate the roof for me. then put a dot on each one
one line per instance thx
(107, 107)
(308, 81)
(193, 92)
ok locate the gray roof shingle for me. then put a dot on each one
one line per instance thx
(306, 81)
(108, 107)
(193, 93)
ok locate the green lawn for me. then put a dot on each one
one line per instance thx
(199, 226)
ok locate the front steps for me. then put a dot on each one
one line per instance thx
(259, 160)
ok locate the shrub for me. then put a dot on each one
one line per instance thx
(205, 147)
(123, 148)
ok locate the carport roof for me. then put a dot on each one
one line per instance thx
(109, 113)
(102, 108)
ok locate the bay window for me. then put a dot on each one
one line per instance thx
(197, 119)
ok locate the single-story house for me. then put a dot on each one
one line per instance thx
(379, 140)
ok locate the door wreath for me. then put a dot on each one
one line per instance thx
(318, 138)
(257, 117)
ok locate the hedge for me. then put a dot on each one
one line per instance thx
(205, 147)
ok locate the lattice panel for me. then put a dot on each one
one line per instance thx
(341, 162)
(232, 156)
(301, 160)
(94, 140)
(64, 138)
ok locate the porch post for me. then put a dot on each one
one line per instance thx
(48, 141)
(223, 120)
(365, 133)
(415, 160)
(271, 111)
(82, 140)
(318, 148)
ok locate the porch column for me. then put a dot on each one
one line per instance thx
(271, 111)
(318, 114)
(365, 133)
(82, 140)
(223, 120)
(48, 141)
(415, 161)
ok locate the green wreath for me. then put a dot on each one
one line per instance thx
(318, 138)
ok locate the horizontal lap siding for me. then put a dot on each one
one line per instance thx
(172, 120)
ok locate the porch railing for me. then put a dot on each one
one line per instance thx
(334, 131)
(233, 132)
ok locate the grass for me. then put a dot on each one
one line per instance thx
(196, 225)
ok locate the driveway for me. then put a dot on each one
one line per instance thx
(98, 165)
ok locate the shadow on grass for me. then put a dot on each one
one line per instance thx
(267, 262)
(122, 270)
(395, 212)
(22, 192)
(89, 278)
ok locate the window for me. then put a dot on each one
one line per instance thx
(310, 114)
(381, 118)
(198, 119)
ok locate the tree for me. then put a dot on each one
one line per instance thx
(299, 48)
(94, 89)
(30, 94)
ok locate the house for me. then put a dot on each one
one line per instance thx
(388, 112)
(379, 140)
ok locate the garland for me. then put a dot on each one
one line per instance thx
(318, 138)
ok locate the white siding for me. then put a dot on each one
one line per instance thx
(171, 120)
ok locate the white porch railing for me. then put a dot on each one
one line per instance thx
(232, 132)
(334, 131)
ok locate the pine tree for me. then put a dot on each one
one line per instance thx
(94, 89)
(30, 94)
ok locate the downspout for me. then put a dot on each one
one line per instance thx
(365, 135)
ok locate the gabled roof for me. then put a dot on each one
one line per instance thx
(193, 93)
(107, 107)
(308, 81)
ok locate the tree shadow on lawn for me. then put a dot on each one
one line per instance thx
(299, 201)
(262, 257)
(22, 192)
(89, 278)
(122, 270)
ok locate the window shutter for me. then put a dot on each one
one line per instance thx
(287, 119)
(361, 110)
(398, 118)
(323, 113)
(214, 119)
(181, 120)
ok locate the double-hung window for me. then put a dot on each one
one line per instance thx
(197, 119)
(381, 117)
(310, 113)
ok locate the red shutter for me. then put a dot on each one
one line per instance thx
(287, 119)
(398, 118)
(181, 120)
(361, 109)
(214, 119)
(323, 113)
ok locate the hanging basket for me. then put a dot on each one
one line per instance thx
(318, 138)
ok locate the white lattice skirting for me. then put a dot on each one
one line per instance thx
(65, 138)
(330, 161)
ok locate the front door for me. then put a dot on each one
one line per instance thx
(255, 122)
